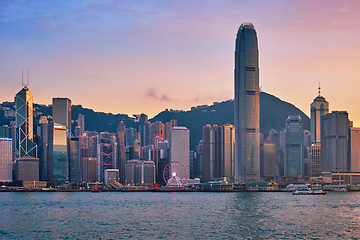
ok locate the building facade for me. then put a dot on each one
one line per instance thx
(145, 172)
(335, 128)
(268, 159)
(27, 169)
(217, 158)
(294, 152)
(25, 146)
(211, 143)
(6, 163)
(355, 149)
(315, 159)
(247, 110)
(42, 138)
(61, 112)
(319, 107)
(58, 158)
(180, 146)
(106, 154)
(74, 161)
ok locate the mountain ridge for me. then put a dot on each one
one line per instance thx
(273, 115)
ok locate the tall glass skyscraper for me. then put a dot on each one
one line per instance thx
(247, 109)
(294, 153)
(25, 146)
(319, 107)
(58, 159)
(62, 112)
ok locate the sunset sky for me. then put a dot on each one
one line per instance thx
(145, 56)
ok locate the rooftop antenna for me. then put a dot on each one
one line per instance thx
(22, 78)
(319, 89)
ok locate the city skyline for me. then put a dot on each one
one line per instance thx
(149, 56)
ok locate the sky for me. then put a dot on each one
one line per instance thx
(137, 57)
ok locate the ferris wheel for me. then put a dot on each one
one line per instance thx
(175, 174)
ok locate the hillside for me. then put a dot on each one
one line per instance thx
(94, 121)
(273, 115)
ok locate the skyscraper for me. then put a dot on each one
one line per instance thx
(228, 143)
(355, 149)
(80, 122)
(74, 160)
(268, 159)
(180, 146)
(106, 154)
(121, 155)
(294, 153)
(319, 107)
(25, 146)
(58, 158)
(247, 110)
(335, 128)
(5, 159)
(43, 145)
(62, 112)
(211, 152)
(218, 152)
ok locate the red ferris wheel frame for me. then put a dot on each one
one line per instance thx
(186, 171)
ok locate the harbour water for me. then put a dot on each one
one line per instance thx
(179, 215)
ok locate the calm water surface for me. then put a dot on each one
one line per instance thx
(116, 215)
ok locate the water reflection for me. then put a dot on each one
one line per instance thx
(179, 215)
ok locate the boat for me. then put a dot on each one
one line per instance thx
(95, 189)
(340, 190)
(308, 192)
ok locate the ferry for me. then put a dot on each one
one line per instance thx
(308, 192)
(340, 190)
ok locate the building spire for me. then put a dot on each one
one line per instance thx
(319, 89)
(22, 79)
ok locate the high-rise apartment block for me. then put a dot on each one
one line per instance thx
(247, 110)
(168, 127)
(81, 122)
